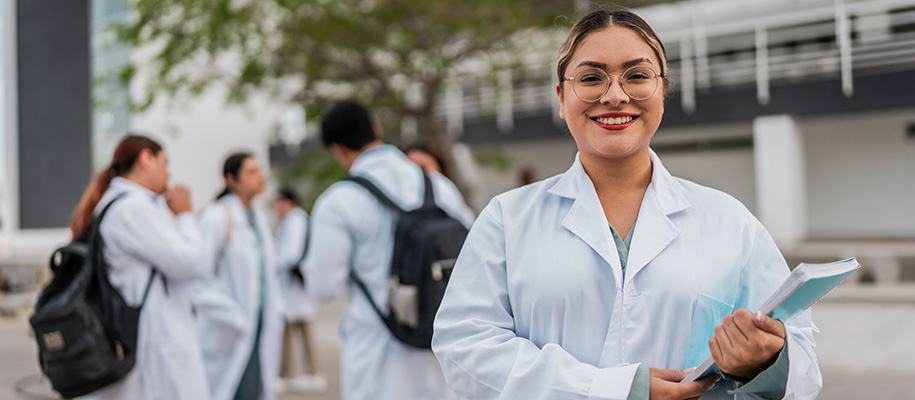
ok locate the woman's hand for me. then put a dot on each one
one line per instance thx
(665, 384)
(178, 199)
(744, 346)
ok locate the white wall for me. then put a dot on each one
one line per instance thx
(860, 174)
(545, 157)
(730, 171)
(199, 133)
(860, 170)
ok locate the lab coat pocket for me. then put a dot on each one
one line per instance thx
(707, 313)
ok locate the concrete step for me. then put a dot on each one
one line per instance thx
(852, 292)
(20, 275)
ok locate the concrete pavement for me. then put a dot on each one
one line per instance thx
(864, 346)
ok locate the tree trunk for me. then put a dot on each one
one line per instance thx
(433, 130)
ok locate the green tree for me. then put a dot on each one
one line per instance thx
(393, 55)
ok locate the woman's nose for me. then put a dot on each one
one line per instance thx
(615, 94)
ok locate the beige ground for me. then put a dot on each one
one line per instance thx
(865, 346)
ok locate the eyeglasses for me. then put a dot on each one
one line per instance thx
(591, 84)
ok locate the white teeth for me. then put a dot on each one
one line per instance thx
(614, 121)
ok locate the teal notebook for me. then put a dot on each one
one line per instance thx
(807, 284)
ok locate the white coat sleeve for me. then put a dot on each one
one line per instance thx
(476, 344)
(290, 241)
(763, 271)
(327, 264)
(173, 246)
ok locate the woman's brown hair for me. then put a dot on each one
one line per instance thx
(125, 156)
(432, 150)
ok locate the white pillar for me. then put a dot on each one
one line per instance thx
(454, 108)
(687, 76)
(505, 114)
(778, 150)
(9, 127)
(762, 65)
(843, 37)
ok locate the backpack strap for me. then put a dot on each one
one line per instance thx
(368, 185)
(307, 235)
(295, 268)
(152, 275)
(387, 319)
(94, 229)
(102, 271)
(225, 242)
(428, 193)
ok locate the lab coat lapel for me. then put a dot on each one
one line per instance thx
(654, 230)
(586, 218)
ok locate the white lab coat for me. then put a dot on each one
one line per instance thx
(537, 307)
(140, 232)
(353, 230)
(290, 243)
(238, 276)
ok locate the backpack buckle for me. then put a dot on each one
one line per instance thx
(439, 267)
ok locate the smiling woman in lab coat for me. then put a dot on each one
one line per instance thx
(608, 280)
(143, 230)
(240, 249)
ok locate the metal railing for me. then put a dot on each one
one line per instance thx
(838, 41)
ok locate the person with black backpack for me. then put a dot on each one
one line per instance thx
(356, 240)
(151, 247)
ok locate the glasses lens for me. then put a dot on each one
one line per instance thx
(640, 82)
(590, 84)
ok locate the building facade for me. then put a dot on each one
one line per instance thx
(63, 110)
(802, 110)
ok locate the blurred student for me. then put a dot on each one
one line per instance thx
(150, 227)
(291, 244)
(240, 249)
(429, 157)
(354, 232)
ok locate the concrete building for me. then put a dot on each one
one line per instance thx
(802, 110)
(62, 112)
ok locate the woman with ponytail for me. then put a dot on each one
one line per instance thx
(239, 251)
(151, 227)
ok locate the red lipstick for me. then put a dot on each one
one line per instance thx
(614, 121)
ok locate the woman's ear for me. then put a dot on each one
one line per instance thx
(562, 113)
(231, 182)
(146, 159)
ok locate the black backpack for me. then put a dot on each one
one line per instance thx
(86, 333)
(426, 243)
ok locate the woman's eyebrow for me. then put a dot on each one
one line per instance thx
(637, 61)
(625, 64)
